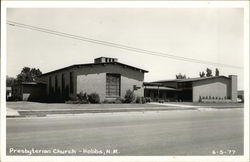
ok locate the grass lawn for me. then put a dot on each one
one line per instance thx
(48, 106)
(209, 104)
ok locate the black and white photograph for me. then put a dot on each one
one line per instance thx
(135, 81)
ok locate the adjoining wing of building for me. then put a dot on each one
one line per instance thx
(111, 79)
(193, 89)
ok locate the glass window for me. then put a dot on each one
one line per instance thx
(113, 85)
(63, 82)
(71, 85)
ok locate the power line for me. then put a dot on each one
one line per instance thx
(120, 46)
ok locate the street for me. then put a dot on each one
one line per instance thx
(186, 132)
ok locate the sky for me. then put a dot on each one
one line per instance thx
(209, 34)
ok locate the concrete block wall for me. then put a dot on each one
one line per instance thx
(127, 83)
(31, 92)
(97, 77)
(233, 88)
(59, 83)
(92, 83)
(217, 87)
(92, 78)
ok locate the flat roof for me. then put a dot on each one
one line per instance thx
(30, 83)
(93, 64)
(189, 79)
(160, 88)
(106, 57)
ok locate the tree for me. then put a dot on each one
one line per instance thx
(209, 72)
(217, 73)
(28, 74)
(202, 74)
(180, 76)
(10, 81)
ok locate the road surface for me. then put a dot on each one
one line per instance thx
(190, 132)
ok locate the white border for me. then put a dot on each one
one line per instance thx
(124, 4)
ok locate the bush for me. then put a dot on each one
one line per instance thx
(200, 99)
(167, 100)
(114, 101)
(147, 99)
(82, 97)
(129, 96)
(119, 100)
(10, 98)
(94, 98)
(140, 100)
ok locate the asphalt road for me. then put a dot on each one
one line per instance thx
(189, 132)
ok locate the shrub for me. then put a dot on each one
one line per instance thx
(143, 100)
(94, 98)
(140, 100)
(119, 100)
(129, 96)
(114, 101)
(200, 99)
(147, 99)
(167, 100)
(82, 97)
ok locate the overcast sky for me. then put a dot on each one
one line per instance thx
(214, 35)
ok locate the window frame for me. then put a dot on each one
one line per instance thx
(71, 82)
(117, 85)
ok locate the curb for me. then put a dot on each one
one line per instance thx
(72, 112)
(44, 113)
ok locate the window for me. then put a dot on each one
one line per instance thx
(50, 84)
(56, 82)
(113, 85)
(71, 85)
(63, 82)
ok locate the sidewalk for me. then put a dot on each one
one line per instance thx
(212, 105)
(42, 113)
(12, 113)
(26, 109)
(175, 105)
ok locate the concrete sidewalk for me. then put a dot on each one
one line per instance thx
(175, 105)
(183, 105)
(41, 112)
(12, 113)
